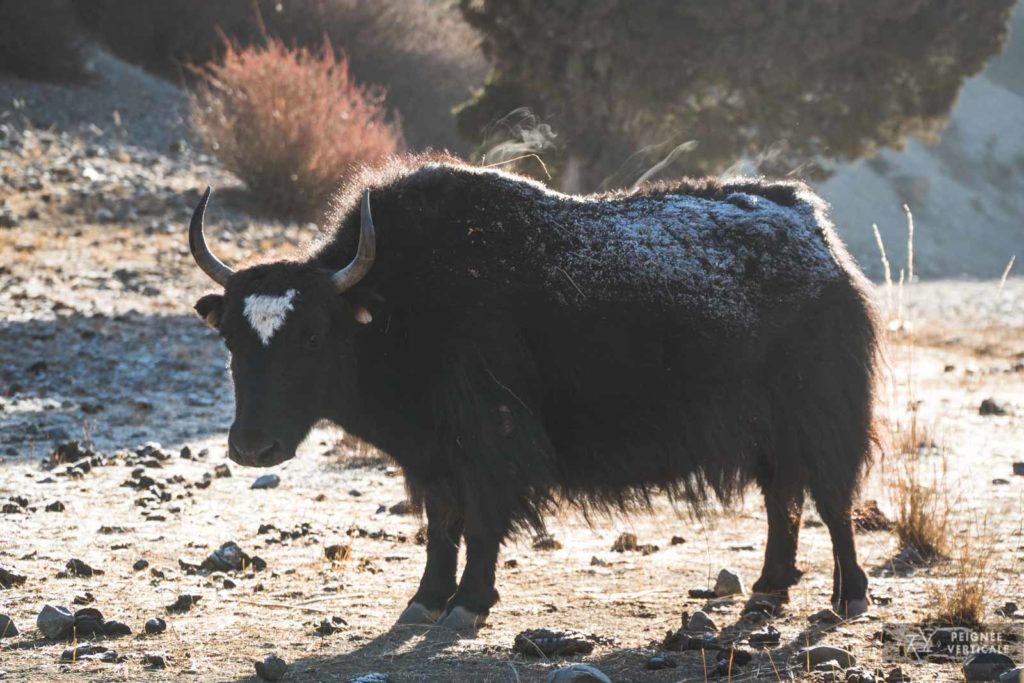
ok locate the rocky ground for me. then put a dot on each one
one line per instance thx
(98, 344)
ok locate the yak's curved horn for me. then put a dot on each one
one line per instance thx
(210, 264)
(366, 252)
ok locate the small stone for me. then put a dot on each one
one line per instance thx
(228, 557)
(116, 629)
(76, 567)
(549, 642)
(155, 625)
(267, 481)
(337, 552)
(578, 673)
(272, 668)
(83, 651)
(155, 660)
(769, 636)
(677, 540)
(701, 593)
(402, 507)
(7, 627)
(55, 622)
(990, 407)
(733, 657)
(984, 665)
(55, 506)
(328, 626)
(373, 677)
(8, 579)
(1018, 469)
(183, 604)
(825, 616)
(811, 657)
(221, 472)
(728, 583)
(700, 622)
(546, 542)
(659, 662)
(140, 564)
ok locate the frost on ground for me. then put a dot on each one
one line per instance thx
(98, 343)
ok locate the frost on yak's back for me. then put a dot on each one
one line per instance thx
(721, 258)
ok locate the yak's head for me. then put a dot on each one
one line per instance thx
(290, 331)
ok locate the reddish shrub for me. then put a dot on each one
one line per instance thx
(290, 123)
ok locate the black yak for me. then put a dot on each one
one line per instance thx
(511, 347)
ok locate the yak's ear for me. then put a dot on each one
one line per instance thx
(209, 308)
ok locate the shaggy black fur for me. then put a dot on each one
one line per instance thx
(504, 373)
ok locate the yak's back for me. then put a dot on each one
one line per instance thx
(729, 255)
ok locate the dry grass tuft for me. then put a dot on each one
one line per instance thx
(962, 603)
(922, 508)
(290, 123)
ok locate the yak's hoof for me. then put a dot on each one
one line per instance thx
(852, 608)
(417, 613)
(462, 620)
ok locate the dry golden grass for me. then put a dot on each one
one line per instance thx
(290, 123)
(922, 508)
(962, 602)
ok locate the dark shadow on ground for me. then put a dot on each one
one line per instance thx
(116, 381)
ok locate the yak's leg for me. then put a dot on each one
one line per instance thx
(849, 582)
(468, 608)
(486, 528)
(444, 531)
(784, 503)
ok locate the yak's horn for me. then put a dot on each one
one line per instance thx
(366, 252)
(210, 264)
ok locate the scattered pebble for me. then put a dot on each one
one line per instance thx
(985, 665)
(701, 593)
(85, 598)
(659, 662)
(155, 625)
(1018, 469)
(402, 507)
(7, 627)
(267, 481)
(546, 542)
(677, 540)
(990, 407)
(769, 636)
(9, 579)
(55, 506)
(55, 623)
(90, 652)
(328, 626)
(374, 677)
(76, 567)
(700, 622)
(549, 642)
(272, 668)
(183, 604)
(221, 471)
(578, 673)
(825, 616)
(628, 542)
(728, 583)
(140, 564)
(230, 557)
(811, 657)
(155, 660)
(338, 552)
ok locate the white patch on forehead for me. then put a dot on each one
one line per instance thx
(266, 313)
